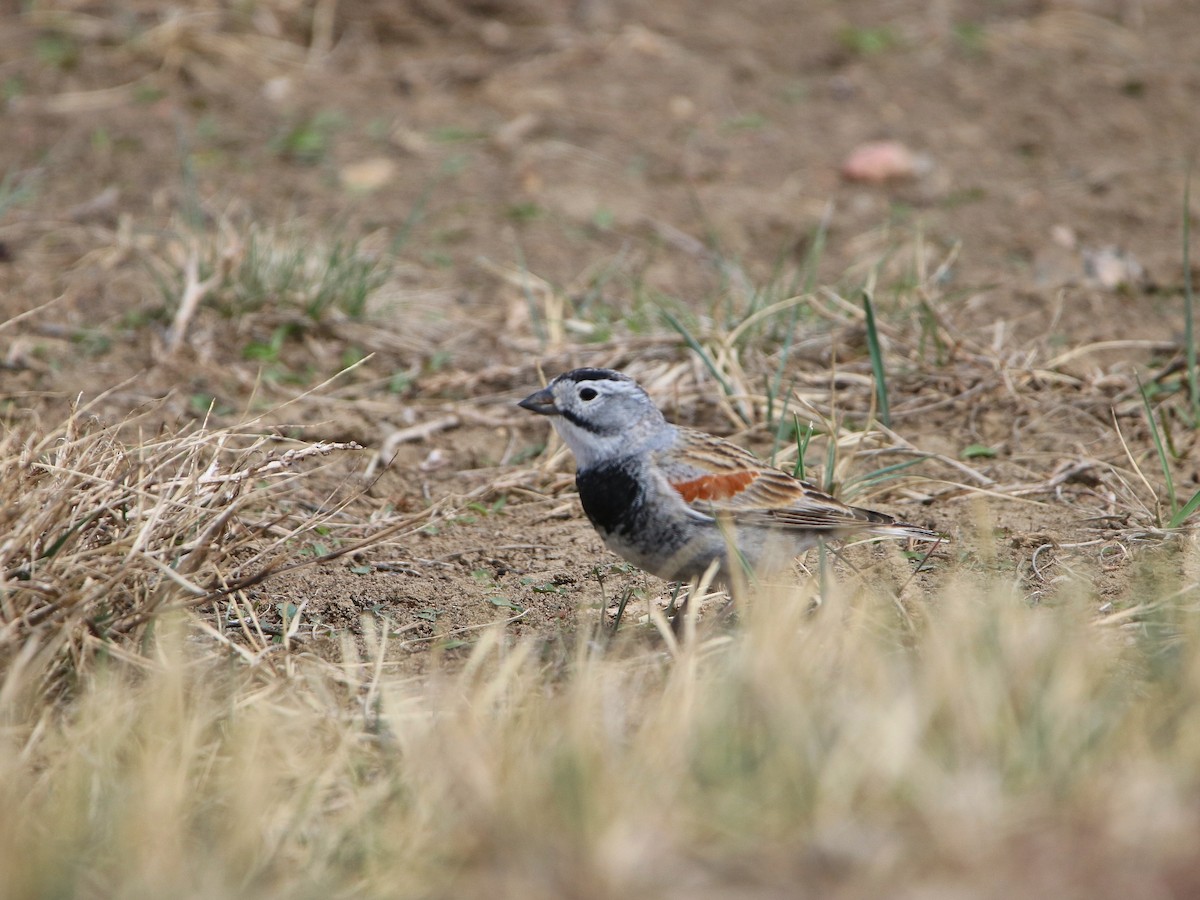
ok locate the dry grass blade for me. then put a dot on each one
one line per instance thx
(194, 291)
(101, 534)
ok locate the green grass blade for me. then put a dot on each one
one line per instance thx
(625, 595)
(1185, 511)
(1189, 334)
(830, 464)
(416, 214)
(812, 260)
(62, 539)
(13, 192)
(803, 436)
(879, 476)
(535, 313)
(774, 382)
(885, 413)
(698, 349)
(1156, 436)
(810, 263)
(780, 423)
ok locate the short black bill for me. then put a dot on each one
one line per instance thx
(541, 403)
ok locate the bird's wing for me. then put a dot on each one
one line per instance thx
(720, 479)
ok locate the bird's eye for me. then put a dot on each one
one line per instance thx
(587, 394)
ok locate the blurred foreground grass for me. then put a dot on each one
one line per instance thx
(983, 747)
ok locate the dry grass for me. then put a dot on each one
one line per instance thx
(992, 748)
(104, 533)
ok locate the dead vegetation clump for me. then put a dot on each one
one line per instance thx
(102, 534)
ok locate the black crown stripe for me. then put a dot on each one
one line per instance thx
(578, 375)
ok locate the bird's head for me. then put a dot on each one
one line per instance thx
(601, 414)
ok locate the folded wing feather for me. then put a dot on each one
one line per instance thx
(718, 478)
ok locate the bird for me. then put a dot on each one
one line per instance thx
(674, 500)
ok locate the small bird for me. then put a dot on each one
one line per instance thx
(671, 500)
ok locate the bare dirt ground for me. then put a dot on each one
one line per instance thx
(534, 186)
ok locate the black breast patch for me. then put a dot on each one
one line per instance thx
(611, 497)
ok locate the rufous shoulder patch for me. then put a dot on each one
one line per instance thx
(714, 487)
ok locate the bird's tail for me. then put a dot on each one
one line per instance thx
(885, 526)
(904, 531)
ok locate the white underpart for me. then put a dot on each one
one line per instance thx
(590, 449)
